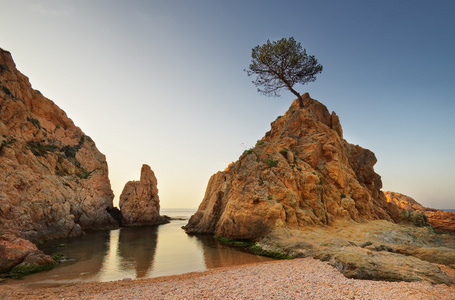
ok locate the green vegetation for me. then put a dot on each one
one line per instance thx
(22, 270)
(343, 196)
(260, 143)
(35, 122)
(282, 64)
(82, 174)
(235, 243)
(4, 67)
(271, 162)
(39, 149)
(70, 154)
(70, 151)
(6, 90)
(249, 151)
(58, 257)
(79, 171)
(258, 250)
(7, 142)
(279, 117)
(252, 247)
(284, 151)
(414, 217)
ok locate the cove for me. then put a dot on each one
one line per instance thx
(135, 253)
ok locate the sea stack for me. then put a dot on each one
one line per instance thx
(139, 201)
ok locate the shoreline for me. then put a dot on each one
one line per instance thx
(303, 278)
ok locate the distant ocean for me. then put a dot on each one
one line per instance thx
(452, 210)
(184, 213)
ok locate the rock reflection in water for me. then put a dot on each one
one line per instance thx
(85, 255)
(136, 252)
(217, 255)
(137, 248)
(177, 252)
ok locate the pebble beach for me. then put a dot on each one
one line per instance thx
(304, 278)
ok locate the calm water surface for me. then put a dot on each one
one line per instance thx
(137, 252)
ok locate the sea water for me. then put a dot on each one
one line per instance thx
(137, 252)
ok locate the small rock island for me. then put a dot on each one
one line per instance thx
(139, 201)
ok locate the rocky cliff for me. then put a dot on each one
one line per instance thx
(440, 220)
(53, 180)
(304, 191)
(302, 172)
(139, 201)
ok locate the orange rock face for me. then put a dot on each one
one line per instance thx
(302, 172)
(53, 180)
(139, 201)
(440, 220)
(14, 251)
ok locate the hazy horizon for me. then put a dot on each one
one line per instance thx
(162, 82)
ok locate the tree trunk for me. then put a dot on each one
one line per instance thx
(300, 101)
(298, 96)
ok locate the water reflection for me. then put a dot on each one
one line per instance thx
(137, 248)
(218, 255)
(136, 252)
(177, 253)
(85, 259)
(131, 253)
(111, 262)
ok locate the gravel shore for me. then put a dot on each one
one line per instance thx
(304, 278)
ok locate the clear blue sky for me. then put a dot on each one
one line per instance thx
(162, 82)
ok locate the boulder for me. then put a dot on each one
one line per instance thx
(139, 201)
(21, 257)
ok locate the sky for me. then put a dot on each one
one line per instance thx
(163, 83)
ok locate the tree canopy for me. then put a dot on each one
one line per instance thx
(282, 64)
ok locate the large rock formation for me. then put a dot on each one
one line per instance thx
(53, 180)
(302, 172)
(304, 191)
(439, 219)
(139, 201)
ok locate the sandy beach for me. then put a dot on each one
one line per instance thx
(304, 278)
